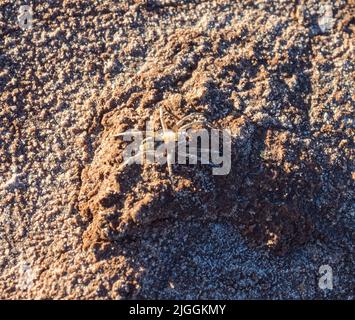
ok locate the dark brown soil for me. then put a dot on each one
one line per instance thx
(254, 77)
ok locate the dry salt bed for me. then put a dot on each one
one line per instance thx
(76, 224)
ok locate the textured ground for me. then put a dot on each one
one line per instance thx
(280, 76)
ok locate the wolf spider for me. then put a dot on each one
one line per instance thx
(168, 136)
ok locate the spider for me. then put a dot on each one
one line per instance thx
(178, 134)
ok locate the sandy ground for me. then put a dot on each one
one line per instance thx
(281, 75)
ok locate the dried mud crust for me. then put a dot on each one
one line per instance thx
(259, 77)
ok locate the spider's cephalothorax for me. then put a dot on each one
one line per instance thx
(170, 137)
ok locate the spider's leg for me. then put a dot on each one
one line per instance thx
(128, 133)
(191, 124)
(162, 121)
(168, 158)
(189, 116)
(129, 161)
(135, 158)
(142, 150)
